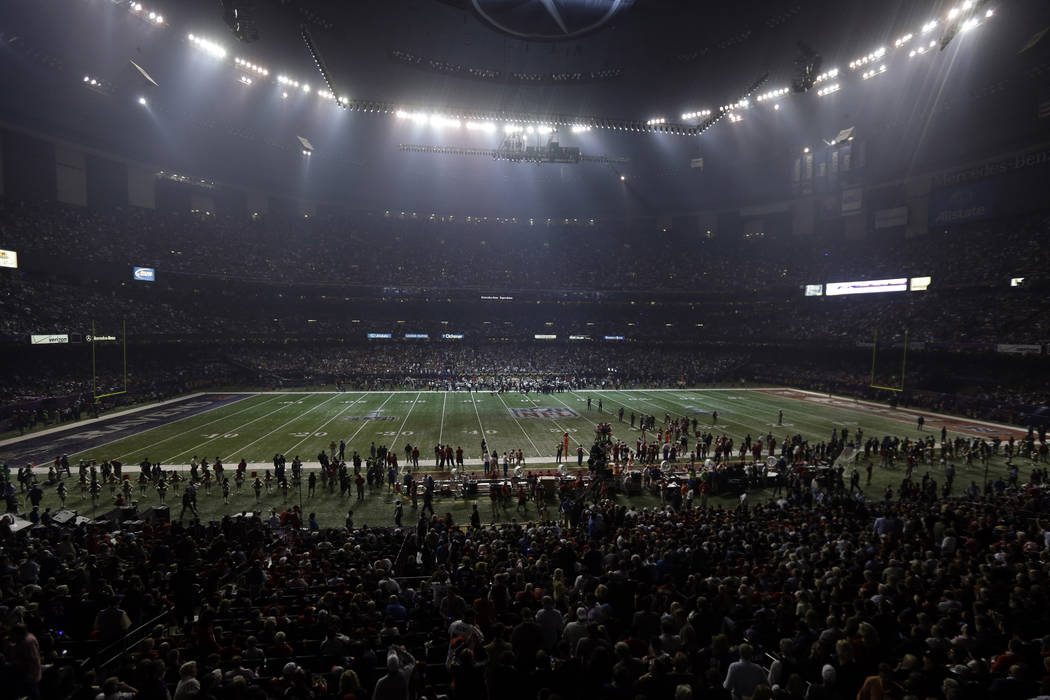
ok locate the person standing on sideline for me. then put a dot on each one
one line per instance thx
(780, 417)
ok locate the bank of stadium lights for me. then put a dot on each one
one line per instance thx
(487, 127)
(826, 75)
(772, 95)
(828, 89)
(97, 84)
(873, 72)
(209, 47)
(137, 9)
(875, 55)
(285, 80)
(920, 50)
(580, 128)
(254, 67)
(699, 114)
(656, 120)
(244, 80)
(734, 117)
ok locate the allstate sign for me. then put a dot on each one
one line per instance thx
(144, 274)
(971, 202)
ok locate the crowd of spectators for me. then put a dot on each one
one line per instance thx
(800, 597)
(334, 277)
(462, 366)
(391, 250)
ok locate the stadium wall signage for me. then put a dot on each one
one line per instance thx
(993, 168)
(971, 202)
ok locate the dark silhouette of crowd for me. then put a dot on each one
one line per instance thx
(925, 598)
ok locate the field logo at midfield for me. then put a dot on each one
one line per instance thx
(371, 415)
(545, 413)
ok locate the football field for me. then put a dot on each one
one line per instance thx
(255, 427)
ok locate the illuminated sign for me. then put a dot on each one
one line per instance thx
(579, 337)
(833, 289)
(541, 336)
(613, 337)
(144, 274)
(920, 284)
(1016, 281)
(373, 336)
(49, 339)
(99, 338)
(814, 290)
(8, 258)
(486, 297)
(417, 336)
(452, 336)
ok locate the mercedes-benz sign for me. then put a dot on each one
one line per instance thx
(549, 20)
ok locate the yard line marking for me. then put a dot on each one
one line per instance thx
(263, 437)
(203, 425)
(238, 428)
(441, 430)
(480, 426)
(538, 453)
(310, 434)
(404, 422)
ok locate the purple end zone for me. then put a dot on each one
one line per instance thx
(43, 449)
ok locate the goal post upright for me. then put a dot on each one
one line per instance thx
(94, 369)
(874, 356)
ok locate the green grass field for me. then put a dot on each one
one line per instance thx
(257, 427)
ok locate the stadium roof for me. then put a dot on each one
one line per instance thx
(651, 61)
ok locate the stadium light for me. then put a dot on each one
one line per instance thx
(870, 58)
(873, 72)
(142, 101)
(826, 75)
(209, 47)
(697, 114)
(772, 94)
(806, 149)
(929, 26)
(828, 89)
(623, 178)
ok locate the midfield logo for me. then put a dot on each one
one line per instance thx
(544, 413)
(371, 415)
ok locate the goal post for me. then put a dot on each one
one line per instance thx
(94, 362)
(882, 383)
